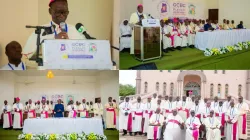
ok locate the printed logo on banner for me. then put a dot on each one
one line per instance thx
(54, 98)
(92, 48)
(77, 51)
(69, 98)
(63, 47)
(191, 9)
(163, 8)
(179, 9)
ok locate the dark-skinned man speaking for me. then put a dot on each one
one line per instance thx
(58, 10)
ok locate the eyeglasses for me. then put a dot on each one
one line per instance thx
(58, 13)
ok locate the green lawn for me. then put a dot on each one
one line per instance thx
(13, 134)
(191, 58)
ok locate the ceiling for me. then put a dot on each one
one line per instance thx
(58, 73)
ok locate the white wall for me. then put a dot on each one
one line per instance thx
(236, 10)
(7, 87)
(105, 84)
(232, 77)
(59, 85)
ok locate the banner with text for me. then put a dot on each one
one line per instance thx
(55, 97)
(161, 9)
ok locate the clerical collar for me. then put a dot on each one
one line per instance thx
(139, 13)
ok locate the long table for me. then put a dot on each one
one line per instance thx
(220, 38)
(63, 125)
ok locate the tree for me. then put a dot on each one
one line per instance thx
(126, 90)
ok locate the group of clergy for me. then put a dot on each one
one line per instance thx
(176, 33)
(47, 110)
(189, 118)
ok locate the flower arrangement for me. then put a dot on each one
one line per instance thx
(71, 136)
(237, 47)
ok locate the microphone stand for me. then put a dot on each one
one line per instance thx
(39, 61)
(38, 31)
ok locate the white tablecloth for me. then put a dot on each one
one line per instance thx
(220, 38)
(63, 125)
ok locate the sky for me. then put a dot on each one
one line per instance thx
(127, 77)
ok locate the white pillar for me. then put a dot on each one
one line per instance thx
(177, 88)
(181, 88)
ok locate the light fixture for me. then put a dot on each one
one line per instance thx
(50, 74)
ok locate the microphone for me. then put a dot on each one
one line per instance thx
(150, 16)
(82, 30)
(63, 26)
(49, 30)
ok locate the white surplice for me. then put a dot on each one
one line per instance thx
(243, 108)
(184, 109)
(123, 119)
(214, 104)
(31, 108)
(183, 30)
(232, 114)
(7, 123)
(83, 108)
(43, 109)
(125, 42)
(137, 113)
(98, 109)
(167, 42)
(155, 120)
(17, 116)
(198, 111)
(210, 123)
(177, 39)
(220, 110)
(148, 109)
(71, 109)
(169, 107)
(154, 101)
(192, 122)
(173, 130)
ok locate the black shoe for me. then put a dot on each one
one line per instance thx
(145, 134)
(124, 134)
(130, 133)
(140, 133)
(135, 134)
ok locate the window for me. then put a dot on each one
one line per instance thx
(164, 88)
(169, 71)
(223, 72)
(226, 90)
(171, 89)
(219, 89)
(215, 71)
(157, 86)
(239, 90)
(145, 87)
(211, 90)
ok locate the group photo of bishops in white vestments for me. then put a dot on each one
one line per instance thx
(186, 118)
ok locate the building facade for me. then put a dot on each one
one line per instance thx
(207, 83)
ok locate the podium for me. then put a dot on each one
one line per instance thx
(76, 55)
(147, 40)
